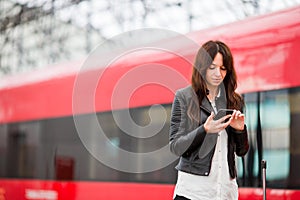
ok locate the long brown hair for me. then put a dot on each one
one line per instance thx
(203, 60)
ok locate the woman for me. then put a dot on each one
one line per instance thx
(207, 146)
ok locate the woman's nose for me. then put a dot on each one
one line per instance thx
(218, 71)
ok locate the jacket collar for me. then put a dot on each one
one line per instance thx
(221, 101)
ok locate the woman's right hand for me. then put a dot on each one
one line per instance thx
(215, 126)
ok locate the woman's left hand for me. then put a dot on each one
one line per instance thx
(237, 120)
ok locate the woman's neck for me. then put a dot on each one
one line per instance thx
(213, 92)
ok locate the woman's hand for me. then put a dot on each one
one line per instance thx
(215, 126)
(237, 120)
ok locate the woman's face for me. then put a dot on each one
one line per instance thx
(216, 72)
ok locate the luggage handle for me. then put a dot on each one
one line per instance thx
(264, 167)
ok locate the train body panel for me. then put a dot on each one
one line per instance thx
(59, 190)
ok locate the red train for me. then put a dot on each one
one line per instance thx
(51, 120)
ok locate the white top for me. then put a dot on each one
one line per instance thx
(218, 185)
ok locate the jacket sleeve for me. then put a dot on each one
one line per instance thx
(183, 142)
(241, 141)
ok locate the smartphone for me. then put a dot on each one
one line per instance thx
(223, 112)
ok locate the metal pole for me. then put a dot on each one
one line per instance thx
(264, 167)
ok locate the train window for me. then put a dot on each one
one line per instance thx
(278, 112)
(45, 149)
(52, 148)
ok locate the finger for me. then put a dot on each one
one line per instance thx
(237, 113)
(227, 123)
(211, 116)
(233, 113)
(222, 126)
(224, 118)
(242, 117)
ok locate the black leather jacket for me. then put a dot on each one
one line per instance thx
(189, 140)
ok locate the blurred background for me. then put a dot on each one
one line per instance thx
(38, 33)
(42, 154)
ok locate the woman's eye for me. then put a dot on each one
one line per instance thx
(212, 67)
